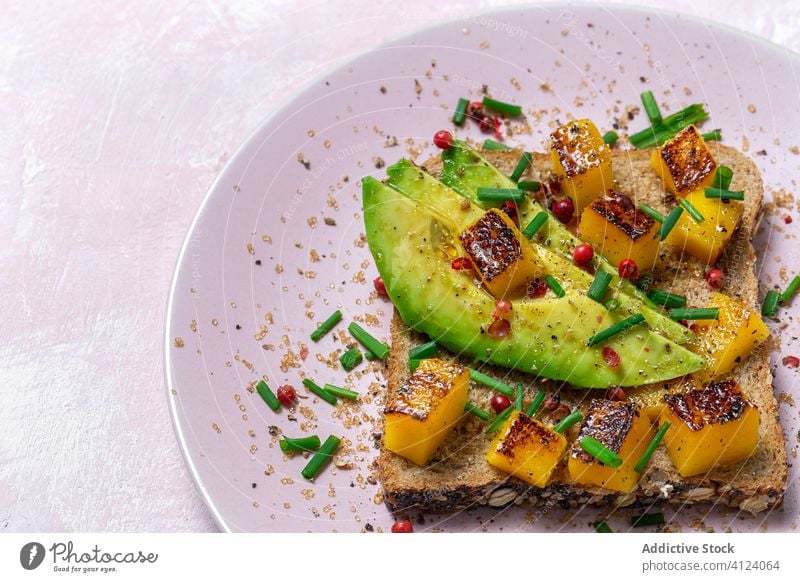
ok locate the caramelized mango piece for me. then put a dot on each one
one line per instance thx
(706, 240)
(623, 428)
(421, 413)
(651, 396)
(582, 160)
(618, 230)
(730, 339)
(684, 162)
(500, 254)
(715, 426)
(526, 449)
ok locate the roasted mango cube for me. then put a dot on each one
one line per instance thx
(500, 254)
(624, 429)
(651, 396)
(712, 427)
(706, 240)
(684, 162)
(527, 449)
(582, 160)
(730, 339)
(618, 230)
(421, 412)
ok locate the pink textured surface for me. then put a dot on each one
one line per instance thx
(115, 122)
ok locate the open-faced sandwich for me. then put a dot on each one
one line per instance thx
(576, 327)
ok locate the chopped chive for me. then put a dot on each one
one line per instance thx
(770, 303)
(601, 526)
(502, 107)
(610, 137)
(600, 452)
(669, 222)
(535, 224)
(413, 365)
(529, 185)
(647, 519)
(479, 412)
(326, 326)
(651, 448)
(351, 358)
(667, 300)
(341, 392)
(669, 127)
(380, 349)
(724, 194)
(321, 392)
(714, 135)
(498, 420)
(369, 356)
(693, 212)
(490, 145)
(722, 178)
(522, 165)
(574, 418)
(423, 351)
(299, 445)
(461, 111)
(652, 212)
(321, 458)
(599, 285)
(612, 304)
(695, 314)
(518, 390)
(651, 108)
(537, 402)
(268, 395)
(791, 289)
(497, 385)
(553, 284)
(618, 327)
(500, 194)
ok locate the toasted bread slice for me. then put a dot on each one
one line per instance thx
(458, 477)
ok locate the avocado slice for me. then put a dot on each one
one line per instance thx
(447, 205)
(548, 337)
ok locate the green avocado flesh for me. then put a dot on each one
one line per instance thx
(412, 247)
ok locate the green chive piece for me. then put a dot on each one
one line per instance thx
(351, 358)
(535, 224)
(341, 392)
(321, 458)
(791, 290)
(599, 285)
(309, 443)
(321, 392)
(667, 300)
(522, 165)
(651, 448)
(529, 185)
(500, 194)
(553, 284)
(574, 418)
(380, 349)
(602, 527)
(693, 212)
(537, 402)
(610, 137)
(647, 519)
(651, 108)
(461, 111)
(491, 145)
(423, 351)
(502, 107)
(612, 304)
(498, 420)
(770, 306)
(724, 194)
(652, 213)
(695, 314)
(722, 178)
(479, 412)
(669, 127)
(669, 222)
(268, 395)
(714, 135)
(326, 326)
(518, 391)
(600, 452)
(369, 356)
(618, 327)
(413, 365)
(490, 382)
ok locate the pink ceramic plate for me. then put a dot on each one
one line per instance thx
(278, 243)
